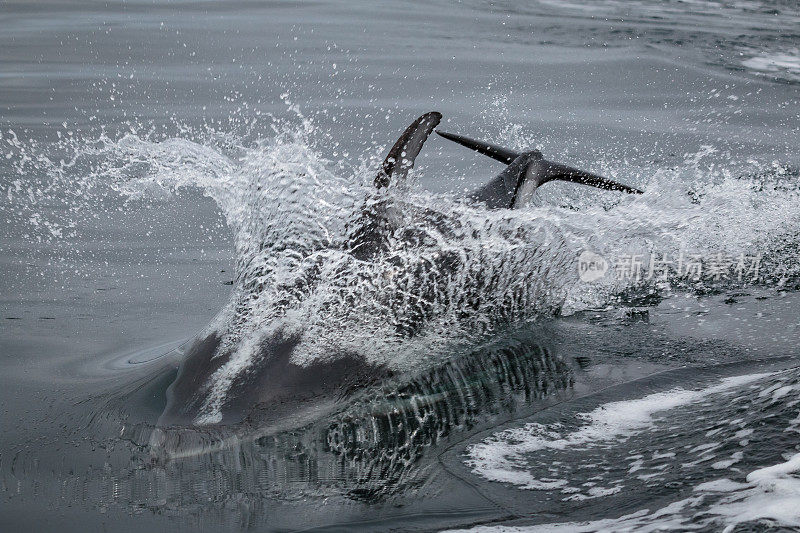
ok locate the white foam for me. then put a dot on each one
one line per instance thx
(771, 493)
(784, 62)
(775, 495)
(501, 457)
(777, 471)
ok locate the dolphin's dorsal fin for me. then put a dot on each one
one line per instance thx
(402, 155)
(503, 191)
(369, 233)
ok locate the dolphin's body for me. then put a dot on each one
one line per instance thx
(274, 388)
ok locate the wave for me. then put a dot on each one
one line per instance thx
(755, 36)
(727, 449)
(499, 457)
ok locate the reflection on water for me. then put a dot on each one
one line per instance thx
(380, 439)
(378, 445)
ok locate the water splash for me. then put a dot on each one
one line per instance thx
(453, 272)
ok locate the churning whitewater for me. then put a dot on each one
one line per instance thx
(291, 212)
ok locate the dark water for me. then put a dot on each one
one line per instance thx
(174, 172)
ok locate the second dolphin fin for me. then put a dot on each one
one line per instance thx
(544, 170)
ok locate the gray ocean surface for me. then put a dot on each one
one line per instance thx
(160, 159)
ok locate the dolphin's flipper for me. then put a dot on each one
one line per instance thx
(492, 150)
(402, 155)
(526, 171)
(557, 171)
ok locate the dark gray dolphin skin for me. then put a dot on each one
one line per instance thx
(526, 172)
(275, 389)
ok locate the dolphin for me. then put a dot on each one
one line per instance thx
(274, 389)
